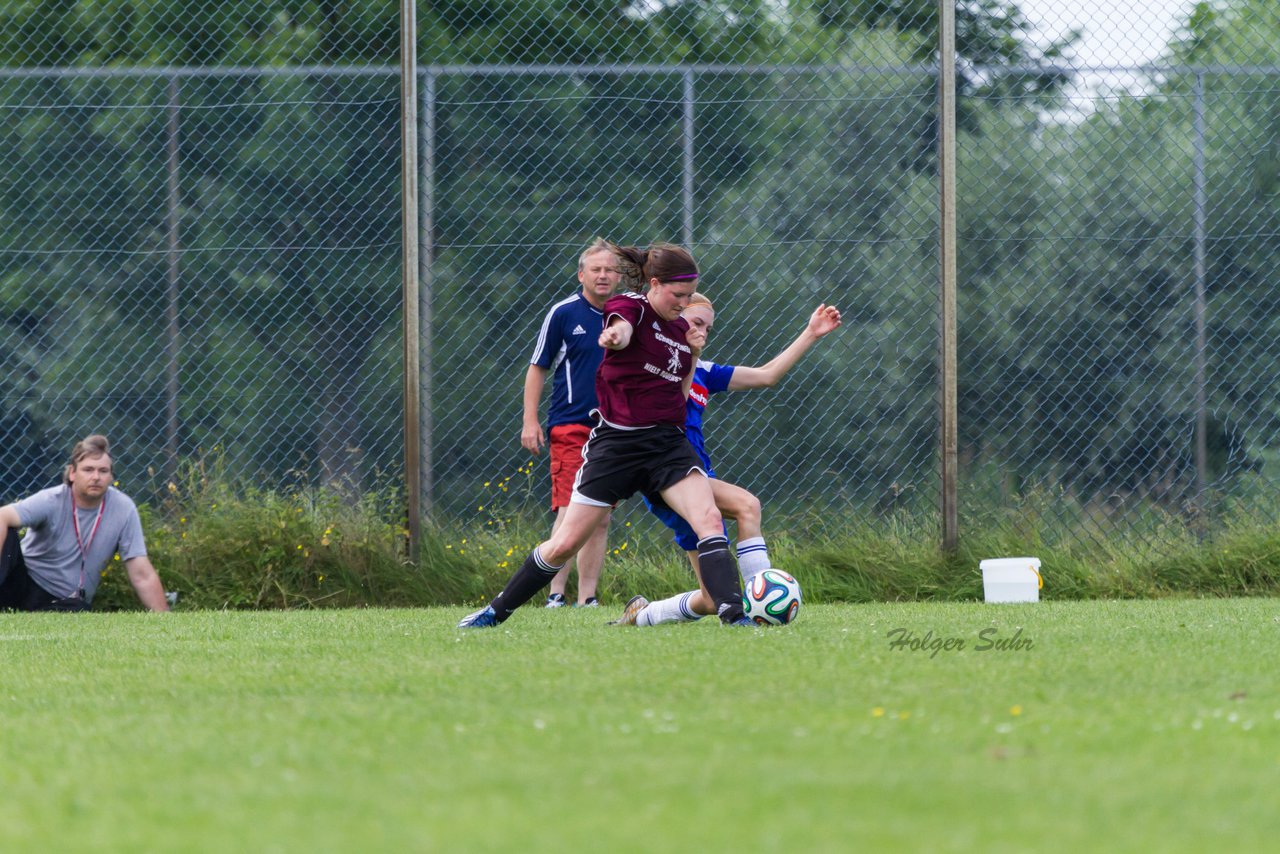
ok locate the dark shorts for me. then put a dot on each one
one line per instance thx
(566, 441)
(620, 463)
(19, 592)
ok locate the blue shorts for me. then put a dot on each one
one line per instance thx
(685, 537)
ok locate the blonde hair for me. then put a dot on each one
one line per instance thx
(90, 446)
(700, 299)
(598, 245)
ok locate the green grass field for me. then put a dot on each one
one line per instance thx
(1116, 726)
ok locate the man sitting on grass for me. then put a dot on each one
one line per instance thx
(73, 530)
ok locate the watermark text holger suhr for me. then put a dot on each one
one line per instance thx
(987, 640)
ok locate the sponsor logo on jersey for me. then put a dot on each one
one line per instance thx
(671, 344)
(698, 394)
(578, 330)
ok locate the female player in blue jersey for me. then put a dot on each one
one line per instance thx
(733, 501)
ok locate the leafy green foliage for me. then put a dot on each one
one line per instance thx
(227, 544)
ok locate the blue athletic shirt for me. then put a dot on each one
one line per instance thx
(708, 379)
(569, 347)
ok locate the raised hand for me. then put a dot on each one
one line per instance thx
(825, 318)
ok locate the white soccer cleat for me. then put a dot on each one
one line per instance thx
(634, 606)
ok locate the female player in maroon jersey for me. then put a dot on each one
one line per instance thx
(638, 443)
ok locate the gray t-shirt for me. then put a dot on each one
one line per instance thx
(50, 549)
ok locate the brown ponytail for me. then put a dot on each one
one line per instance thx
(631, 261)
(665, 262)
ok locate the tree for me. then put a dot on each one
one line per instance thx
(293, 256)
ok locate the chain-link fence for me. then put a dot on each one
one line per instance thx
(201, 241)
(1117, 260)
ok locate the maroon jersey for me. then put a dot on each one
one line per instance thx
(640, 385)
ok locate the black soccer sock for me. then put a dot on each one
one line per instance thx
(721, 577)
(533, 575)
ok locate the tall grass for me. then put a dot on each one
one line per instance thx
(234, 545)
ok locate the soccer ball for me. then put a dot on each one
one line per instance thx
(771, 598)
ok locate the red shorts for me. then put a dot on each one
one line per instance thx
(566, 458)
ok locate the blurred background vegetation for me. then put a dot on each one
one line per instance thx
(1076, 267)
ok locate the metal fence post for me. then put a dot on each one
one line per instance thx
(949, 432)
(409, 264)
(1202, 417)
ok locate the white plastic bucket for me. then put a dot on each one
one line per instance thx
(1011, 579)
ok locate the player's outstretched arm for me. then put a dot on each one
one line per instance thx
(824, 320)
(617, 335)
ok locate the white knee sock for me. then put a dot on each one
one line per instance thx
(753, 557)
(673, 610)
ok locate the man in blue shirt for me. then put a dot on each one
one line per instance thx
(568, 348)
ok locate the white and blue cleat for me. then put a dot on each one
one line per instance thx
(485, 618)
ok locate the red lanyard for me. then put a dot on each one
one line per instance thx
(75, 525)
